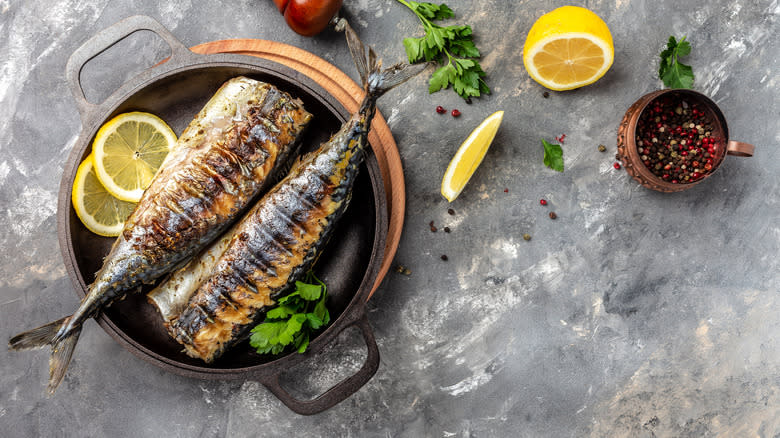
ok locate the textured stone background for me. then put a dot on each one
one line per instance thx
(634, 314)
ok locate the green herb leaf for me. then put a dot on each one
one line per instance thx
(289, 298)
(673, 73)
(553, 156)
(314, 321)
(464, 49)
(298, 314)
(666, 56)
(431, 11)
(683, 48)
(321, 312)
(443, 12)
(452, 45)
(414, 49)
(280, 312)
(302, 342)
(678, 76)
(311, 277)
(265, 336)
(441, 78)
(309, 292)
(294, 325)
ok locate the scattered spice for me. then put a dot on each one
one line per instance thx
(602, 148)
(543, 201)
(675, 140)
(553, 215)
(506, 190)
(526, 236)
(561, 138)
(433, 227)
(546, 94)
(446, 229)
(444, 257)
(616, 165)
(451, 211)
(440, 109)
(455, 113)
(401, 269)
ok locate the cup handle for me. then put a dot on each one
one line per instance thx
(739, 149)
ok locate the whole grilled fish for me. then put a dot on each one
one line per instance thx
(221, 162)
(280, 237)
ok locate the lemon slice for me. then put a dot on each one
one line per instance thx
(568, 48)
(469, 156)
(100, 212)
(128, 151)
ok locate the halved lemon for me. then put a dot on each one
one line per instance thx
(469, 156)
(129, 150)
(100, 212)
(568, 48)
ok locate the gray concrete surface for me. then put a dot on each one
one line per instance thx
(634, 314)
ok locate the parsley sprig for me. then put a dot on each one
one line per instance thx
(553, 155)
(674, 73)
(450, 44)
(298, 315)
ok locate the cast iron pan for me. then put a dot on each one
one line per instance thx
(175, 91)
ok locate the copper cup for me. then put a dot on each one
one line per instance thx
(629, 155)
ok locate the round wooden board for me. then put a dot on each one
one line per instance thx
(349, 94)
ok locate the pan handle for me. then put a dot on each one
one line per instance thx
(104, 40)
(338, 392)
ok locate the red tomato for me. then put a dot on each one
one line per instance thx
(308, 17)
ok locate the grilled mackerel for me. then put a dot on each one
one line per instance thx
(219, 165)
(279, 239)
(172, 295)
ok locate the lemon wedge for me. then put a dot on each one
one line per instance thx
(568, 48)
(129, 150)
(100, 212)
(469, 156)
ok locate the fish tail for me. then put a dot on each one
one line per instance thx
(376, 81)
(37, 337)
(62, 343)
(61, 352)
